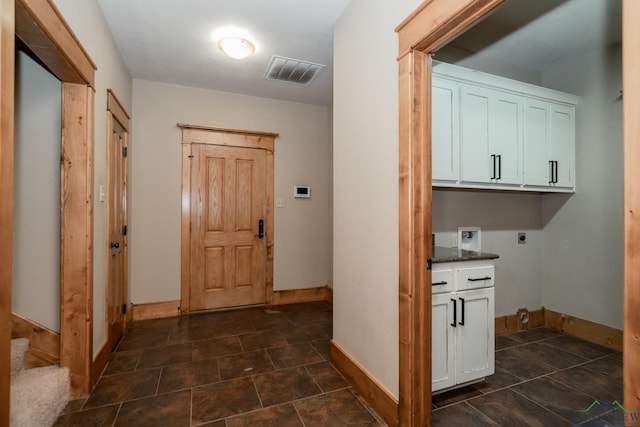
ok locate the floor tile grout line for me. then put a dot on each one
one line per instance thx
(113, 423)
(482, 413)
(542, 406)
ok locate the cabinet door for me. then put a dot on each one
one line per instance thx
(506, 139)
(562, 144)
(475, 336)
(445, 141)
(474, 134)
(536, 137)
(442, 342)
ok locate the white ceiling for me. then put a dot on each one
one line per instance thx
(538, 34)
(170, 41)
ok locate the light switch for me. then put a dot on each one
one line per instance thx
(280, 203)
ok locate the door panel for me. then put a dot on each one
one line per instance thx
(117, 244)
(507, 137)
(442, 342)
(536, 136)
(474, 135)
(444, 129)
(228, 199)
(475, 344)
(561, 143)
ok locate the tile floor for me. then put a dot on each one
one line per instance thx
(256, 366)
(542, 377)
(265, 366)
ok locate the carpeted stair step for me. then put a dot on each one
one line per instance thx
(37, 395)
(19, 347)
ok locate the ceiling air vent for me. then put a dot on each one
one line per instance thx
(292, 70)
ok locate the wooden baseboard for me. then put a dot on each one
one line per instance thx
(100, 360)
(292, 296)
(366, 385)
(44, 344)
(155, 310)
(329, 294)
(511, 323)
(585, 329)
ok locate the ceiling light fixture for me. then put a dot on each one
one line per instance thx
(234, 42)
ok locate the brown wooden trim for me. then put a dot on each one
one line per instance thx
(631, 107)
(7, 67)
(128, 318)
(510, 324)
(434, 23)
(292, 296)
(192, 134)
(44, 344)
(155, 310)
(118, 111)
(209, 129)
(228, 137)
(77, 235)
(365, 384)
(329, 294)
(415, 248)
(40, 26)
(100, 360)
(185, 231)
(269, 293)
(585, 329)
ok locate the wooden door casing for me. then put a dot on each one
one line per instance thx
(117, 165)
(228, 200)
(192, 136)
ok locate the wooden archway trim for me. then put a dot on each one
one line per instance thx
(41, 27)
(430, 26)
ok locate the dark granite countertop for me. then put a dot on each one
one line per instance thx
(442, 254)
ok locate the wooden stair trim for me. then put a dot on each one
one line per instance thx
(44, 344)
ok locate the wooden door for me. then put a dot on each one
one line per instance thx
(228, 203)
(116, 225)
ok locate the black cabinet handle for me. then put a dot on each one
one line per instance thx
(551, 171)
(479, 279)
(455, 316)
(439, 283)
(461, 323)
(493, 166)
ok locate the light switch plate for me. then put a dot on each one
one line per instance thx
(280, 203)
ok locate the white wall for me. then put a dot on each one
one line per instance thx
(583, 235)
(36, 238)
(365, 205)
(302, 248)
(501, 216)
(87, 22)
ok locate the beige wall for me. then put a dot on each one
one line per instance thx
(582, 249)
(87, 22)
(302, 233)
(365, 185)
(36, 238)
(501, 216)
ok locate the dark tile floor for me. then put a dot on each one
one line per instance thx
(256, 366)
(542, 377)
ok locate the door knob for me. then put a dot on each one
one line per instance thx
(115, 245)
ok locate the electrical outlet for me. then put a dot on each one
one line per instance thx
(522, 238)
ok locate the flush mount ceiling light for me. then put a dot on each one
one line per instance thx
(234, 42)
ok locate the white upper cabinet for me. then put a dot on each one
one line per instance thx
(491, 136)
(490, 132)
(475, 117)
(549, 145)
(445, 128)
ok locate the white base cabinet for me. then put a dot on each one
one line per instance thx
(463, 324)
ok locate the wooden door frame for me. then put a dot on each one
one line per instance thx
(115, 112)
(41, 27)
(433, 24)
(192, 134)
